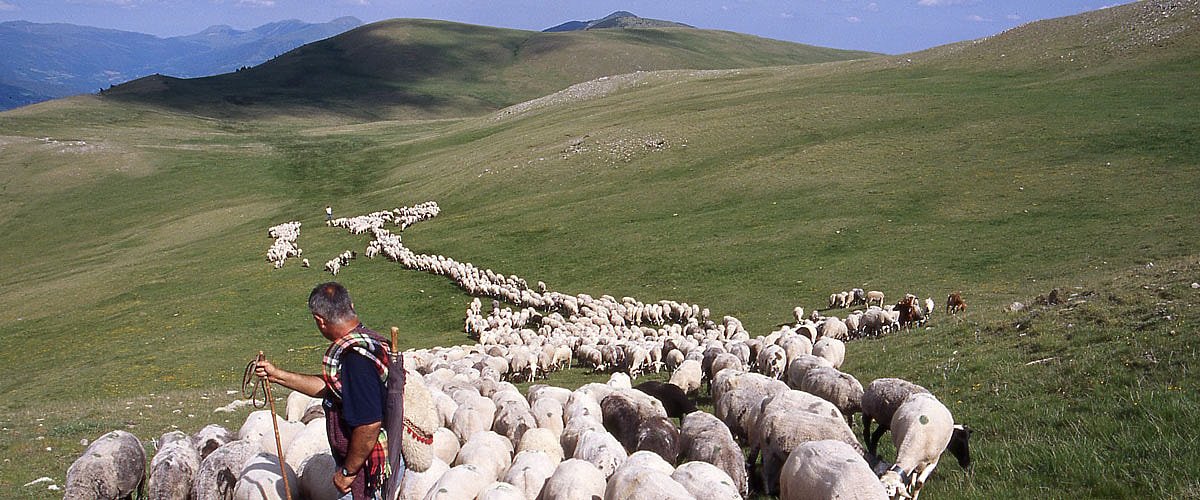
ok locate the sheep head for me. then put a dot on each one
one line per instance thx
(894, 483)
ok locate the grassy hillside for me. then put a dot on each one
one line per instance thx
(411, 68)
(136, 234)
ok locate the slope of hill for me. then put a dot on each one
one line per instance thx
(424, 68)
(139, 289)
(46, 61)
(619, 19)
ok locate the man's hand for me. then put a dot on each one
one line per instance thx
(265, 370)
(341, 482)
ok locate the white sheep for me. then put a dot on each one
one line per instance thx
(819, 470)
(707, 481)
(529, 472)
(415, 485)
(173, 468)
(542, 440)
(575, 479)
(311, 440)
(460, 482)
(703, 437)
(688, 376)
(921, 430)
(112, 466)
(791, 418)
(500, 490)
(219, 471)
(645, 476)
(831, 349)
(489, 452)
(602, 450)
(316, 478)
(261, 479)
(837, 387)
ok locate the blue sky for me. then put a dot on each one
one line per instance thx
(890, 26)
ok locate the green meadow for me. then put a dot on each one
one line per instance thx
(1059, 155)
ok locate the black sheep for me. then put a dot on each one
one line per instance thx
(671, 396)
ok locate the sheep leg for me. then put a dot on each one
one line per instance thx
(873, 443)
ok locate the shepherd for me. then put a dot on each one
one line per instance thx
(353, 385)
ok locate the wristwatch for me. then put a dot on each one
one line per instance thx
(347, 473)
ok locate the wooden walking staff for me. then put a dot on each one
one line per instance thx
(287, 490)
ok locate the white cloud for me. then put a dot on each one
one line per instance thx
(785, 15)
(978, 19)
(872, 7)
(853, 19)
(256, 3)
(1013, 17)
(356, 3)
(7, 7)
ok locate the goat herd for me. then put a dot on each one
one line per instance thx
(780, 396)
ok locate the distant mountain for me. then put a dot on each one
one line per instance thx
(618, 19)
(438, 69)
(48, 61)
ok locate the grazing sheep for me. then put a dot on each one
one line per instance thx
(445, 445)
(837, 387)
(575, 429)
(624, 412)
(529, 472)
(705, 438)
(548, 412)
(312, 440)
(883, 397)
(211, 437)
(544, 441)
(645, 476)
(825, 469)
(875, 297)
(500, 490)
(800, 367)
(173, 468)
(772, 361)
(260, 479)
(602, 450)
(671, 396)
(659, 435)
(489, 452)
(739, 409)
(955, 304)
(113, 466)
(316, 478)
(574, 479)
(688, 376)
(707, 481)
(219, 471)
(791, 418)
(460, 482)
(921, 430)
(415, 485)
(880, 400)
(831, 349)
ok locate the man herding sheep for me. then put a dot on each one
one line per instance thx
(355, 367)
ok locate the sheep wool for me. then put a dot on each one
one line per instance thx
(421, 421)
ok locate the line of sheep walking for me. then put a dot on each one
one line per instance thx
(284, 246)
(781, 396)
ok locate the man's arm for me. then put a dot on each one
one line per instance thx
(362, 441)
(311, 385)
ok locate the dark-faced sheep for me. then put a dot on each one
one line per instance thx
(671, 396)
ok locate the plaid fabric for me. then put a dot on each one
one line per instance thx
(370, 345)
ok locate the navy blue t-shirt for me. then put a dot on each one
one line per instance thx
(362, 390)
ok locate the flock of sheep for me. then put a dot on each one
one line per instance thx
(781, 396)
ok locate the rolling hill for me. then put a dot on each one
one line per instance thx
(425, 68)
(1057, 155)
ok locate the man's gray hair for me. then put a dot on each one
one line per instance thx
(332, 302)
